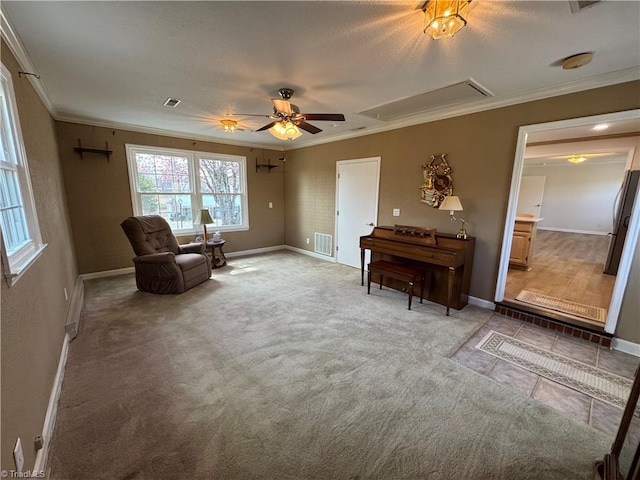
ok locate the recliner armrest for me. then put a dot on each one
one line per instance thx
(192, 248)
(164, 257)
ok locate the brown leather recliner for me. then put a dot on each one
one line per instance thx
(162, 265)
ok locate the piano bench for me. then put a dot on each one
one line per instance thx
(399, 272)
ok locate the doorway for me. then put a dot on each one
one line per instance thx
(357, 185)
(560, 138)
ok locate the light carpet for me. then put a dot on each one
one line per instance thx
(282, 367)
(590, 312)
(595, 382)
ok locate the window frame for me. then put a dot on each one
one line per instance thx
(193, 158)
(16, 264)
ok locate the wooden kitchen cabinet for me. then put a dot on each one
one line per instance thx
(524, 232)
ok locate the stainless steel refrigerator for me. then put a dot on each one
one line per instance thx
(622, 215)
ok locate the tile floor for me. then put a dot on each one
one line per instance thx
(571, 403)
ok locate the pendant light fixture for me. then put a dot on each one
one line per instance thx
(229, 126)
(445, 18)
(576, 159)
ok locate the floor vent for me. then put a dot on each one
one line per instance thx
(322, 243)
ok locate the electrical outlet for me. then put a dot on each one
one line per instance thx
(308, 241)
(66, 295)
(270, 204)
(18, 456)
(396, 212)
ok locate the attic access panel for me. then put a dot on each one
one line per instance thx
(466, 91)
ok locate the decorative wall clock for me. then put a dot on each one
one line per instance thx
(437, 180)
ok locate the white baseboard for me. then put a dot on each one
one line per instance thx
(72, 323)
(481, 302)
(127, 270)
(570, 230)
(311, 254)
(626, 346)
(254, 251)
(40, 463)
(71, 326)
(107, 273)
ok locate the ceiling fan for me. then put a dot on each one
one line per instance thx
(286, 117)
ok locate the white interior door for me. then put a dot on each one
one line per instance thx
(357, 206)
(530, 196)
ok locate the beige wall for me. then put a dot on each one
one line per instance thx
(34, 309)
(480, 149)
(100, 198)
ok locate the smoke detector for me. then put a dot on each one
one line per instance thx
(577, 61)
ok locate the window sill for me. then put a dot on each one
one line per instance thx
(14, 276)
(210, 231)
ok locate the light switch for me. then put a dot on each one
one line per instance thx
(270, 204)
(396, 212)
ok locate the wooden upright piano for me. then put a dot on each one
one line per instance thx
(447, 262)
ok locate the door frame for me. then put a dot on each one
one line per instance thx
(378, 161)
(632, 232)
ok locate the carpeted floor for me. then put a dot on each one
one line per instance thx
(282, 367)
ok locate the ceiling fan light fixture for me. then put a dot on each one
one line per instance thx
(228, 126)
(576, 159)
(444, 18)
(285, 130)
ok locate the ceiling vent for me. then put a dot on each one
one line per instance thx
(171, 102)
(462, 92)
(578, 5)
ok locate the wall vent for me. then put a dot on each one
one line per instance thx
(171, 102)
(578, 5)
(462, 92)
(322, 243)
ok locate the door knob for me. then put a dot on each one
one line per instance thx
(370, 224)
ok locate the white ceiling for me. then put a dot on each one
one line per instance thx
(115, 63)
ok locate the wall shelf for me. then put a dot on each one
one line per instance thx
(82, 150)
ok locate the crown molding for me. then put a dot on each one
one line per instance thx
(159, 131)
(14, 43)
(604, 80)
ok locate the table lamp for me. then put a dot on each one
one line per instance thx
(452, 203)
(203, 218)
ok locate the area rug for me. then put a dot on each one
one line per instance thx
(590, 312)
(592, 381)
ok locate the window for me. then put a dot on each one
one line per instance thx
(176, 184)
(21, 239)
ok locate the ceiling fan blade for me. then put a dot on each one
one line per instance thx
(307, 127)
(266, 127)
(248, 115)
(283, 106)
(333, 117)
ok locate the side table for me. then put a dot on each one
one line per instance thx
(217, 255)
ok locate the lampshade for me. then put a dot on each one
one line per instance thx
(444, 18)
(576, 159)
(228, 126)
(203, 217)
(285, 130)
(452, 203)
